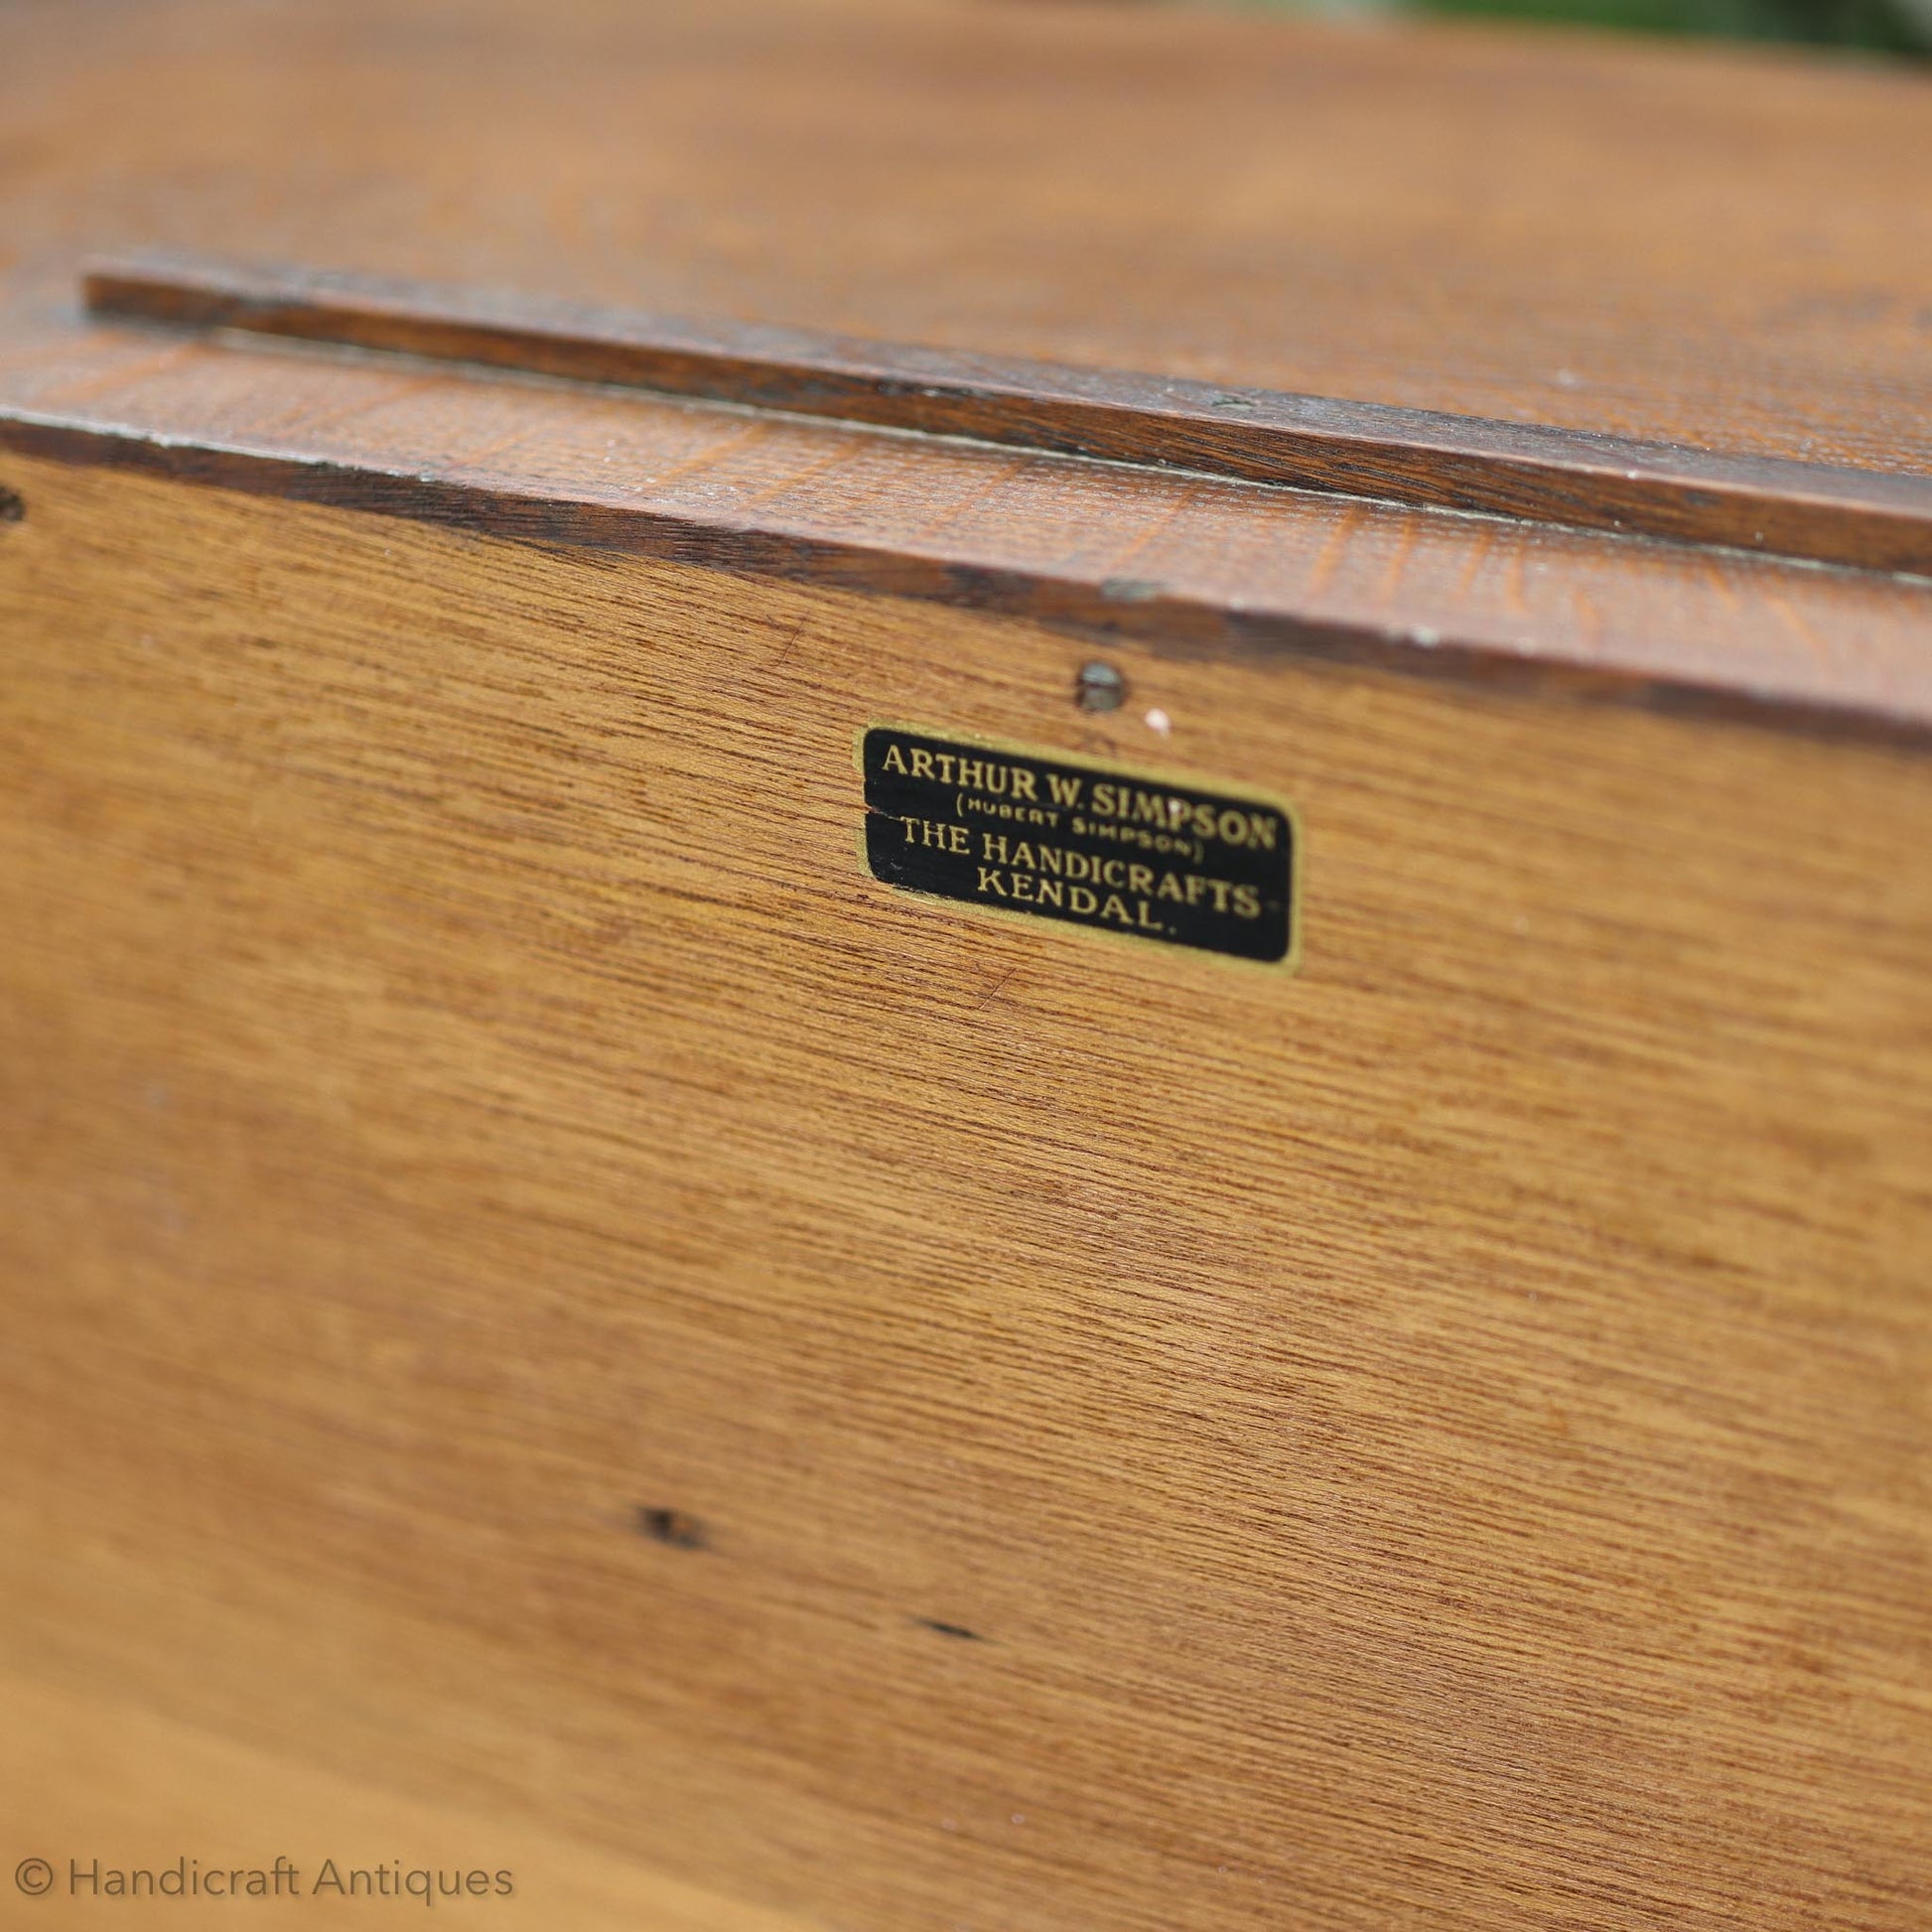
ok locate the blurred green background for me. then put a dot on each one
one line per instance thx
(1898, 27)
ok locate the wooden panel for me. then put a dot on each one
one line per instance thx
(1722, 248)
(97, 1788)
(1436, 1440)
(1189, 564)
(1433, 461)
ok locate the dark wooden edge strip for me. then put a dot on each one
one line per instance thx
(1771, 505)
(1093, 610)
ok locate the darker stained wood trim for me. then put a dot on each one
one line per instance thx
(1094, 611)
(1569, 477)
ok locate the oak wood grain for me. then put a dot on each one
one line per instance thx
(1436, 1440)
(99, 1786)
(547, 1306)
(1722, 248)
(1790, 510)
(1191, 564)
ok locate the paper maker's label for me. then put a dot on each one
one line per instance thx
(1093, 847)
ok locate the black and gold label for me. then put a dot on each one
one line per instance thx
(1094, 847)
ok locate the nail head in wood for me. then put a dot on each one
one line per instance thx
(1100, 687)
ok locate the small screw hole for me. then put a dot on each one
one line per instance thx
(13, 506)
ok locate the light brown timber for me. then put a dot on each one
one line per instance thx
(1438, 1440)
(1809, 512)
